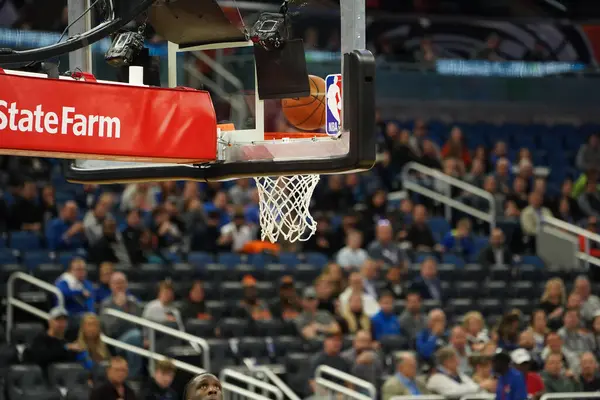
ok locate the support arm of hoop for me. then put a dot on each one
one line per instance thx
(75, 43)
(359, 122)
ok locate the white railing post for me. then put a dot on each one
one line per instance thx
(577, 231)
(350, 379)
(275, 380)
(154, 326)
(152, 343)
(250, 381)
(12, 301)
(410, 184)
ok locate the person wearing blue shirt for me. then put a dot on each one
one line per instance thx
(77, 291)
(459, 240)
(511, 383)
(66, 232)
(385, 322)
(430, 339)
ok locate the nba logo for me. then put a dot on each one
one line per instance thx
(333, 116)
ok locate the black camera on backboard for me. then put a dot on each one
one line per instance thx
(270, 31)
(124, 48)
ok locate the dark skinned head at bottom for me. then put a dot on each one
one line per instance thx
(204, 387)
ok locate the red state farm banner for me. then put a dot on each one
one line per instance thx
(78, 119)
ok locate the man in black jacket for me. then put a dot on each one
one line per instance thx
(116, 388)
(159, 388)
(496, 253)
(50, 347)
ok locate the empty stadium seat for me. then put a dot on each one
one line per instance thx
(25, 332)
(200, 259)
(216, 272)
(200, 328)
(67, 375)
(317, 259)
(152, 272)
(272, 327)
(287, 344)
(306, 272)
(218, 309)
(78, 393)
(48, 272)
(233, 327)
(250, 347)
(232, 290)
(27, 382)
(393, 343)
(230, 260)
(181, 272)
(220, 354)
(7, 269)
(24, 241)
(298, 369)
(32, 259)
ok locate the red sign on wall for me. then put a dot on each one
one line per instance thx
(77, 119)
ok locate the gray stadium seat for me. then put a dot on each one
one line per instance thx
(27, 382)
(67, 375)
(24, 332)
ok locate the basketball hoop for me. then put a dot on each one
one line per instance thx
(285, 200)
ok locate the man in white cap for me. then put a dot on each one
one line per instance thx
(522, 361)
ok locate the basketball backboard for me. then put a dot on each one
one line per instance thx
(254, 151)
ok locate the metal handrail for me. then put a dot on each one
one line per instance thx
(368, 386)
(11, 301)
(576, 230)
(349, 393)
(446, 198)
(252, 382)
(156, 327)
(272, 376)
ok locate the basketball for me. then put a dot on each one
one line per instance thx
(307, 113)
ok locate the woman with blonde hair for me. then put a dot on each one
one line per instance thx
(88, 340)
(554, 298)
(354, 316)
(335, 274)
(474, 325)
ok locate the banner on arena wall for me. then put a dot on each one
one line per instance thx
(82, 119)
(459, 40)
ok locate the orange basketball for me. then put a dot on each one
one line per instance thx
(307, 113)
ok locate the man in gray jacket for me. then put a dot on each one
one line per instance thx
(119, 328)
(364, 360)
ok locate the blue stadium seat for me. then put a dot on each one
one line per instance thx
(24, 241)
(533, 260)
(317, 259)
(439, 225)
(289, 259)
(229, 259)
(200, 259)
(8, 257)
(449, 258)
(2, 242)
(34, 258)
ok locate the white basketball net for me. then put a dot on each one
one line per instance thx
(284, 207)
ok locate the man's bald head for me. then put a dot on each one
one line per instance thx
(204, 387)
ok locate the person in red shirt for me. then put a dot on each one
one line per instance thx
(522, 361)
